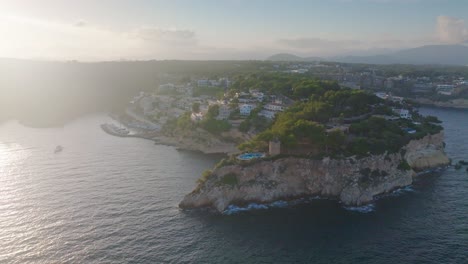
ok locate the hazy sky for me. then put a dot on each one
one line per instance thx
(229, 29)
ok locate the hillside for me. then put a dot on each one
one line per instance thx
(431, 54)
(291, 57)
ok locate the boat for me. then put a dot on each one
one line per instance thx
(115, 130)
(58, 149)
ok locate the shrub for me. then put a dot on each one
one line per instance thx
(205, 176)
(225, 162)
(404, 165)
(229, 179)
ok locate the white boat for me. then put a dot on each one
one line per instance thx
(58, 149)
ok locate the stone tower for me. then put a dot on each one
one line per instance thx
(274, 147)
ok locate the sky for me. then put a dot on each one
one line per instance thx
(96, 30)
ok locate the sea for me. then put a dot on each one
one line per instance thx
(106, 199)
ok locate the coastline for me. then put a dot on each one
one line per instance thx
(458, 104)
(351, 181)
(180, 143)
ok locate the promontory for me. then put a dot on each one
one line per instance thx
(335, 142)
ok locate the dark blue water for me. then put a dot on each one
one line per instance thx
(112, 200)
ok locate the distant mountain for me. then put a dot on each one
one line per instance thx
(432, 54)
(291, 57)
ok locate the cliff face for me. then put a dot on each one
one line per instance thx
(427, 152)
(354, 182)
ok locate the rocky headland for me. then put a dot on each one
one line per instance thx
(352, 181)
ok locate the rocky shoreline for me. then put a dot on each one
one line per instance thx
(352, 181)
(210, 145)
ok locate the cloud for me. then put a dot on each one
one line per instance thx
(80, 23)
(451, 30)
(167, 36)
(56, 40)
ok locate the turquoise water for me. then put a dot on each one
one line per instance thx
(105, 199)
(249, 156)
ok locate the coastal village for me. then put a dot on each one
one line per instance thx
(152, 110)
(148, 113)
(366, 131)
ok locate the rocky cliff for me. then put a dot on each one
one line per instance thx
(352, 181)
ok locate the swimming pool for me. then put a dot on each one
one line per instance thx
(249, 156)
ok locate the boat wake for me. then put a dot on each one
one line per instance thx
(368, 208)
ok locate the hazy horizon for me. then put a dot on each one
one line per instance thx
(228, 30)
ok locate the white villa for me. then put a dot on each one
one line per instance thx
(445, 89)
(382, 95)
(403, 113)
(245, 109)
(259, 96)
(195, 117)
(224, 112)
(147, 104)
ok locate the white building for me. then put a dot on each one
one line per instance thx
(184, 104)
(274, 107)
(195, 117)
(203, 82)
(259, 96)
(147, 104)
(403, 113)
(445, 89)
(245, 109)
(382, 95)
(268, 114)
(224, 112)
(214, 83)
(184, 89)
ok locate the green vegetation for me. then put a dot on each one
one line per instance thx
(302, 129)
(404, 166)
(258, 123)
(375, 136)
(229, 179)
(205, 176)
(210, 124)
(295, 86)
(184, 124)
(208, 90)
(214, 126)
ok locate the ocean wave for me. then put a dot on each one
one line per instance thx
(369, 208)
(234, 209)
(400, 191)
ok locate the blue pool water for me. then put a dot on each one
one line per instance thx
(249, 156)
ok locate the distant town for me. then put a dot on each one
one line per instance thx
(195, 96)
